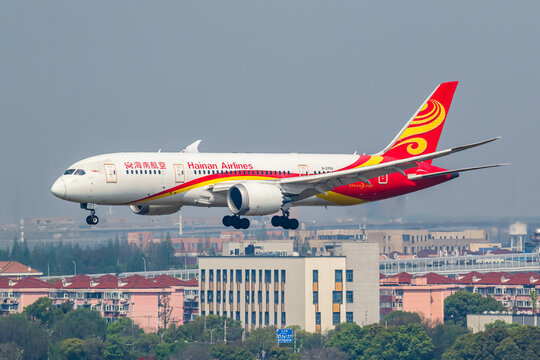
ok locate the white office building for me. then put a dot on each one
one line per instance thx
(315, 293)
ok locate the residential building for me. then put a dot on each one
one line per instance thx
(151, 303)
(16, 270)
(267, 247)
(425, 294)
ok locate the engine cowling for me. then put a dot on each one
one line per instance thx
(154, 209)
(252, 198)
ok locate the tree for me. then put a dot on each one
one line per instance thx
(124, 327)
(377, 342)
(458, 305)
(72, 349)
(497, 342)
(227, 352)
(31, 339)
(444, 335)
(82, 324)
(324, 354)
(534, 300)
(398, 318)
(165, 308)
(260, 340)
(10, 351)
(93, 349)
(193, 351)
(115, 349)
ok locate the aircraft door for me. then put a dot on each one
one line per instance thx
(179, 174)
(303, 170)
(383, 179)
(111, 176)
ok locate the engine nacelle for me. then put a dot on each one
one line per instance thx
(154, 209)
(252, 198)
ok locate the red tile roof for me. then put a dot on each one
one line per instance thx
(24, 283)
(172, 281)
(13, 267)
(433, 279)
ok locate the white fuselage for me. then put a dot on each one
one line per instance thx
(136, 178)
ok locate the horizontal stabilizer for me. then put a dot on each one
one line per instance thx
(455, 171)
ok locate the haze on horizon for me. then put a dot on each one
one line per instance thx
(80, 79)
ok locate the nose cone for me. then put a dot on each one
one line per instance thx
(59, 188)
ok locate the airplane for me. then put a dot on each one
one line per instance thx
(249, 184)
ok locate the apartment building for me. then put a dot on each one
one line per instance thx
(315, 293)
(425, 294)
(150, 303)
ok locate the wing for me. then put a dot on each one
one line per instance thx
(302, 187)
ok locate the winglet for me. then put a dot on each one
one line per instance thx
(192, 148)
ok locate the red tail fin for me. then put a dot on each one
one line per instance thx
(421, 134)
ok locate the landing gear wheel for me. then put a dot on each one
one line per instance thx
(285, 222)
(89, 219)
(227, 220)
(94, 220)
(236, 222)
(244, 223)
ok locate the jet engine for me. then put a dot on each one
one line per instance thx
(154, 209)
(252, 198)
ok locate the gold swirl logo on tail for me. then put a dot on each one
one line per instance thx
(430, 117)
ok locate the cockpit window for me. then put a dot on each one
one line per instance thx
(69, 171)
(79, 172)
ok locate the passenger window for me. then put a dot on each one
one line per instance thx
(69, 171)
(132, 171)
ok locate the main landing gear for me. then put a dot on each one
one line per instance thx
(91, 219)
(284, 221)
(236, 221)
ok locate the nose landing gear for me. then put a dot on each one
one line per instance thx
(91, 219)
(236, 222)
(284, 221)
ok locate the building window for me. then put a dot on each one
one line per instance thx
(231, 296)
(283, 319)
(239, 276)
(349, 274)
(283, 297)
(266, 318)
(231, 275)
(210, 296)
(315, 276)
(267, 297)
(259, 296)
(247, 296)
(254, 275)
(335, 318)
(267, 276)
(260, 276)
(253, 318)
(276, 276)
(349, 297)
(317, 318)
(315, 297)
(246, 318)
(260, 318)
(202, 296)
(238, 296)
(218, 275)
(224, 275)
(238, 316)
(282, 276)
(211, 275)
(349, 316)
(276, 297)
(337, 297)
(275, 318)
(339, 275)
(218, 296)
(247, 275)
(203, 275)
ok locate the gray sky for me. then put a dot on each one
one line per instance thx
(83, 78)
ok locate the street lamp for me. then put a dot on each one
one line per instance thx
(74, 267)
(144, 262)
